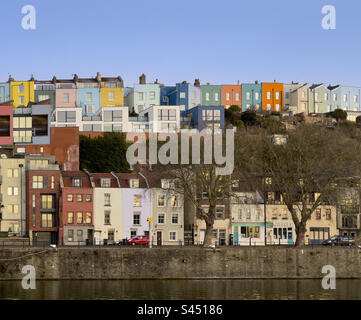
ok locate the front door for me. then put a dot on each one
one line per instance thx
(159, 238)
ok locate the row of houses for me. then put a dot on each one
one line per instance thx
(89, 95)
(41, 201)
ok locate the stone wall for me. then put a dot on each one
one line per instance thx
(180, 263)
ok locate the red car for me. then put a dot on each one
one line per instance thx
(139, 240)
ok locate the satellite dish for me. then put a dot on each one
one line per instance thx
(3, 156)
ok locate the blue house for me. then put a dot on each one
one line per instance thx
(202, 117)
(88, 94)
(251, 96)
(184, 94)
(4, 91)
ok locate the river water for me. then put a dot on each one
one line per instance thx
(181, 289)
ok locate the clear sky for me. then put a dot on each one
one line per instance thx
(218, 41)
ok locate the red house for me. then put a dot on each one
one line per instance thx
(76, 225)
(6, 124)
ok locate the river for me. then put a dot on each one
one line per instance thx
(180, 289)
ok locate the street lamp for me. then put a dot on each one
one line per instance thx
(21, 199)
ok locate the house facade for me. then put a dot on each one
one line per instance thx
(300, 99)
(111, 91)
(319, 96)
(77, 219)
(231, 95)
(167, 214)
(6, 124)
(211, 95)
(4, 92)
(272, 96)
(21, 92)
(45, 90)
(251, 96)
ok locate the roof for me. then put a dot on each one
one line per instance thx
(315, 86)
(332, 87)
(68, 177)
(98, 176)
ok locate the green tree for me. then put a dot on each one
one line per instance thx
(104, 153)
(339, 114)
(235, 108)
(249, 118)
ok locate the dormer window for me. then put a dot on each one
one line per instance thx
(134, 183)
(76, 182)
(164, 184)
(105, 182)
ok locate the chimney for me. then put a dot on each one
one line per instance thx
(256, 82)
(274, 81)
(32, 78)
(142, 79)
(197, 83)
(238, 82)
(184, 82)
(76, 78)
(99, 77)
(10, 78)
(156, 81)
(54, 80)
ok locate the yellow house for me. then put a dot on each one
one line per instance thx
(111, 92)
(22, 92)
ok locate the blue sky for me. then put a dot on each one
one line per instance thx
(218, 41)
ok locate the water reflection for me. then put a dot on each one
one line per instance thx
(181, 289)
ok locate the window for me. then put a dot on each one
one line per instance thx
(106, 217)
(66, 98)
(66, 116)
(277, 107)
(268, 95)
(207, 96)
(21, 89)
(13, 191)
(111, 96)
(355, 99)
(13, 208)
(79, 198)
(89, 109)
(136, 218)
(316, 96)
(79, 217)
(89, 96)
(106, 199)
(52, 182)
(227, 96)
(70, 198)
(256, 95)
(151, 95)
(345, 98)
(76, 182)
(105, 182)
(334, 97)
(113, 116)
(172, 236)
(47, 201)
(161, 200)
(166, 115)
(284, 213)
(137, 200)
(174, 201)
(216, 96)
(258, 214)
(79, 235)
(274, 213)
(111, 235)
(248, 214)
(220, 213)
(38, 182)
(133, 233)
(134, 183)
(270, 196)
(268, 107)
(88, 218)
(237, 96)
(328, 214)
(43, 97)
(161, 218)
(175, 218)
(70, 217)
(318, 214)
(326, 96)
(88, 198)
(182, 95)
(277, 95)
(47, 220)
(268, 180)
(13, 173)
(70, 235)
(141, 96)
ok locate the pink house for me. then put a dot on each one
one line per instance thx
(66, 95)
(6, 124)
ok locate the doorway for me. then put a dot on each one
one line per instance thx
(159, 238)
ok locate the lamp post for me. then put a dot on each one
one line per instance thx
(21, 198)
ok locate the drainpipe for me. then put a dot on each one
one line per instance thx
(90, 178)
(116, 177)
(145, 179)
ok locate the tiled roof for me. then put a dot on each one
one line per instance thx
(69, 175)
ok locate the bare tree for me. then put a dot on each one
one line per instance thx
(304, 169)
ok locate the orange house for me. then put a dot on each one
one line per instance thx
(231, 94)
(272, 96)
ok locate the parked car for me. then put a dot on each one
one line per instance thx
(139, 240)
(339, 241)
